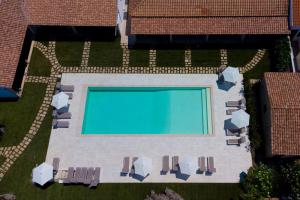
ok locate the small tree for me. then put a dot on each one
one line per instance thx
(291, 179)
(258, 182)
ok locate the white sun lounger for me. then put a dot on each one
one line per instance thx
(125, 169)
(60, 124)
(165, 165)
(239, 103)
(201, 164)
(55, 164)
(175, 162)
(238, 141)
(96, 179)
(65, 88)
(210, 165)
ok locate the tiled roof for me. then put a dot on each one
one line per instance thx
(283, 93)
(212, 25)
(184, 16)
(16, 15)
(296, 13)
(12, 32)
(73, 12)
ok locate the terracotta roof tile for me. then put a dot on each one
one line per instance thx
(283, 93)
(296, 12)
(212, 25)
(16, 15)
(215, 16)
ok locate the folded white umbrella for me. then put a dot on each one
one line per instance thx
(60, 100)
(240, 118)
(42, 174)
(231, 74)
(143, 166)
(188, 166)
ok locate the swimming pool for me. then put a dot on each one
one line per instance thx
(147, 110)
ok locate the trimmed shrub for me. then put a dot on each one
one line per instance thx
(291, 180)
(281, 53)
(258, 182)
(254, 127)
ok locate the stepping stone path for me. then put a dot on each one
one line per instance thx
(13, 152)
(86, 54)
(224, 58)
(152, 58)
(188, 58)
(126, 56)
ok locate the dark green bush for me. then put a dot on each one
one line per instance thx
(258, 183)
(281, 54)
(291, 180)
(254, 127)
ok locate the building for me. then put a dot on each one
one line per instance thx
(281, 113)
(212, 18)
(20, 19)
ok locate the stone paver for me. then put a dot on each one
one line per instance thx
(188, 58)
(126, 57)
(223, 56)
(152, 58)
(86, 54)
(254, 61)
(13, 152)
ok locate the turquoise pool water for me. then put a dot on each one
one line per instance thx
(147, 110)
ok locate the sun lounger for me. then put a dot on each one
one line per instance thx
(65, 88)
(165, 164)
(70, 175)
(89, 176)
(238, 141)
(239, 103)
(210, 165)
(83, 175)
(221, 68)
(132, 165)
(57, 115)
(55, 164)
(125, 169)
(235, 132)
(175, 160)
(77, 174)
(201, 164)
(60, 124)
(96, 179)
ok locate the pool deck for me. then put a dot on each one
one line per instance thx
(108, 151)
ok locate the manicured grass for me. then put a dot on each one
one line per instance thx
(106, 54)
(206, 57)
(170, 58)
(263, 66)
(240, 57)
(39, 65)
(69, 53)
(139, 58)
(18, 116)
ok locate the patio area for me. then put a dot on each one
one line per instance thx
(108, 151)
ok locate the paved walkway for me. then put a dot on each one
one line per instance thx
(13, 152)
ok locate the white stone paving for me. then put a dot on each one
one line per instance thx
(107, 151)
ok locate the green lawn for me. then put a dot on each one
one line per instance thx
(139, 58)
(263, 66)
(2, 159)
(18, 116)
(170, 58)
(106, 54)
(39, 65)
(206, 57)
(69, 53)
(240, 57)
